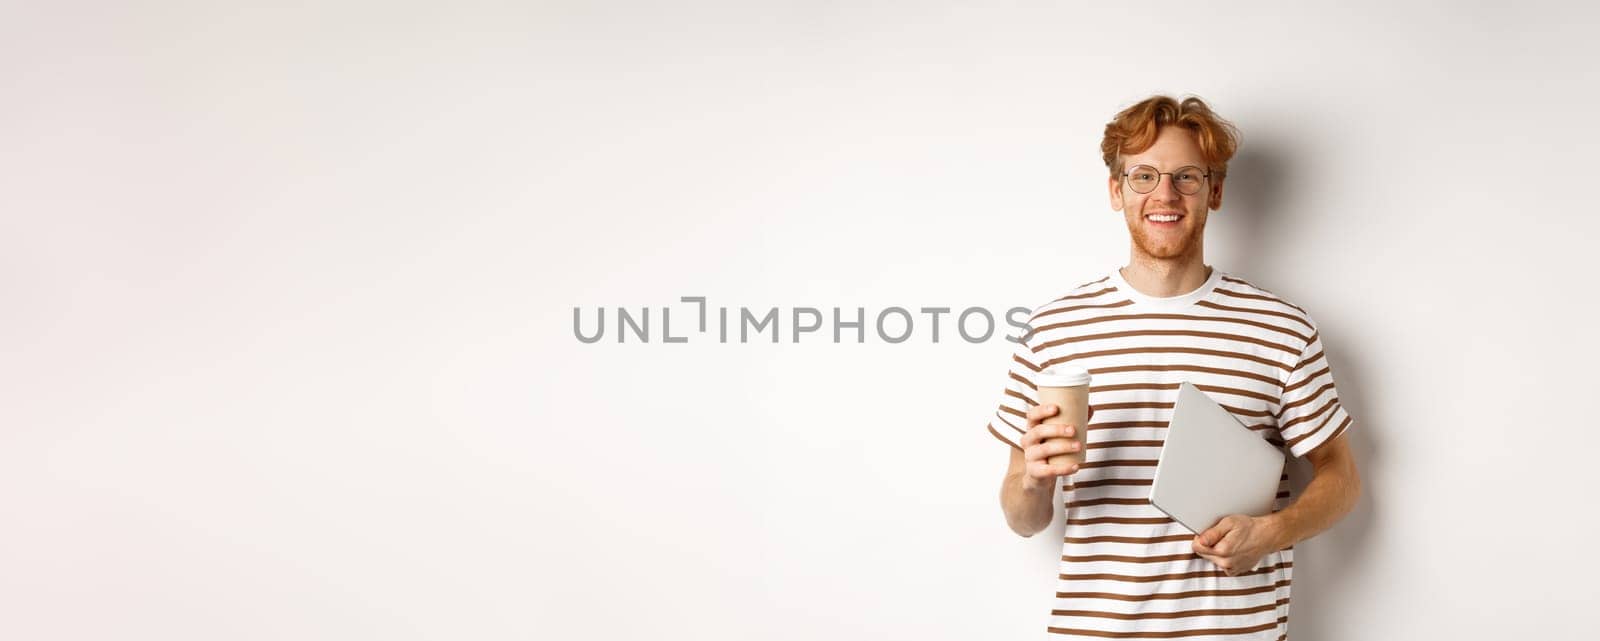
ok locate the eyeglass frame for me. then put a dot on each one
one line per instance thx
(1170, 177)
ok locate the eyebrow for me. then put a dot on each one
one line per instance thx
(1145, 164)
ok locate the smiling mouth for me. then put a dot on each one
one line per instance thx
(1163, 219)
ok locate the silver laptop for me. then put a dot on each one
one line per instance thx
(1212, 465)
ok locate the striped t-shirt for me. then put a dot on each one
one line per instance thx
(1127, 570)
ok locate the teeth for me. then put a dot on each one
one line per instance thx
(1162, 218)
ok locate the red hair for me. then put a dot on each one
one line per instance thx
(1134, 130)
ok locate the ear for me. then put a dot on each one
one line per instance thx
(1114, 185)
(1216, 194)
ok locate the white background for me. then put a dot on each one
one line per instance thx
(288, 299)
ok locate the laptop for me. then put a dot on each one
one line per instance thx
(1212, 465)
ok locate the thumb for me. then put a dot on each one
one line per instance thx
(1215, 535)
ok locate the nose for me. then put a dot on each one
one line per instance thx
(1166, 188)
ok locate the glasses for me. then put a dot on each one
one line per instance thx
(1144, 178)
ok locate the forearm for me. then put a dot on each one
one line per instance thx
(1330, 495)
(1027, 505)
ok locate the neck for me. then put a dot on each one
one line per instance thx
(1166, 277)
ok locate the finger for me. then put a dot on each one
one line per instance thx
(1062, 446)
(1216, 533)
(1038, 453)
(1229, 542)
(1050, 440)
(1044, 470)
(1041, 412)
(1035, 434)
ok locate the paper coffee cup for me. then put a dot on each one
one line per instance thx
(1066, 387)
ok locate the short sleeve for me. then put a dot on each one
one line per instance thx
(1010, 419)
(1311, 413)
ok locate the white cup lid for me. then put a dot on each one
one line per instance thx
(1062, 376)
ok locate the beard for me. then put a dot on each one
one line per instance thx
(1167, 246)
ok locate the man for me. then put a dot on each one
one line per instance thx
(1128, 570)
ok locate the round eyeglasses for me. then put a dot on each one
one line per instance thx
(1144, 178)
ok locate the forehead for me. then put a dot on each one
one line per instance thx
(1174, 147)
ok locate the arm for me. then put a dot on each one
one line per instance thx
(1238, 542)
(1334, 488)
(1026, 502)
(1030, 484)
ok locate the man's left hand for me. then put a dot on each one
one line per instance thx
(1236, 543)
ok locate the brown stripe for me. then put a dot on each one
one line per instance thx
(1251, 310)
(1314, 358)
(1236, 392)
(1218, 574)
(1168, 635)
(1168, 350)
(1117, 463)
(1105, 482)
(1018, 395)
(1112, 501)
(1112, 318)
(1296, 440)
(1112, 425)
(1018, 378)
(1340, 430)
(1284, 428)
(1171, 538)
(1063, 310)
(1140, 616)
(1130, 405)
(1124, 387)
(1185, 368)
(1171, 595)
(1121, 520)
(1171, 332)
(1008, 410)
(1265, 427)
(1303, 382)
(1131, 559)
(1026, 364)
(1313, 396)
(1273, 299)
(1109, 444)
(1087, 295)
(1133, 405)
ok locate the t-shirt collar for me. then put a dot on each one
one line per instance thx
(1166, 302)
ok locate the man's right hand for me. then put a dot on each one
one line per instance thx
(1041, 442)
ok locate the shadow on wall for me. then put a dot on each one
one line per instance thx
(1253, 208)
(1257, 220)
(1328, 565)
